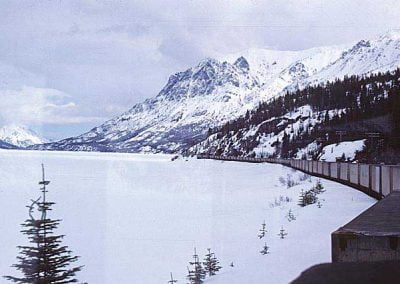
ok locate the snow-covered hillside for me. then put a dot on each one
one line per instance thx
(376, 55)
(299, 124)
(303, 119)
(136, 218)
(20, 136)
(218, 90)
(346, 150)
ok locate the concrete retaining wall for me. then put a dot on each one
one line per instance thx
(365, 175)
(334, 170)
(375, 180)
(344, 171)
(326, 169)
(386, 180)
(396, 178)
(315, 167)
(320, 168)
(353, 173)
(374, 235)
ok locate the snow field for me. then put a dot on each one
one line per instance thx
(347, 148)
(136, 218)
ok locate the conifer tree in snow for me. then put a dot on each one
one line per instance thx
(263, 230)
(302, 199)
(282, 234)
(290, 216)
(319, 188)
(211, 263)
(46, 260)
(307, 197)
(265, 249)
(197, 273)
(172, 281)
(190, 276)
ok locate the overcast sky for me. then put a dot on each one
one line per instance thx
(66, 66)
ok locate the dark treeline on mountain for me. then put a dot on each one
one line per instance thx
(364, 101)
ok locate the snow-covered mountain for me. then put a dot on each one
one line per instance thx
(5, 145)
(377, 55)
(218, 90)
(312, 123)
(20, 136)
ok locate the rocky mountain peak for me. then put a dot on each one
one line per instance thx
(242, 63)
(20, 136)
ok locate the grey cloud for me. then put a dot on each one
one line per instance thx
(108, 55)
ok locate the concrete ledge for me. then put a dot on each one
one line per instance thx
(374, 235)
(387, 272)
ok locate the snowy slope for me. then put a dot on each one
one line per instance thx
(20, 136)
(142, 215)
(302, 119)
(376, 55)
(218, 90)
(347, 149)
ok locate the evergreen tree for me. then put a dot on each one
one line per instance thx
(172, 281)
(319, 188)
(290, 216)
(307, 197)
(395, 117)
(285, 145)
(282, 234)
(302, 199)
(46, 261)
(197, 274)
(263, 230)
(265, 249)
(211, 263)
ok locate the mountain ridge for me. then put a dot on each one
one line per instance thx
(20, 136)
(218, 90)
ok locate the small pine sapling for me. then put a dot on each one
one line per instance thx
(191, 276)
(319, 204)
(211, 263)
(172, 281)
(265, 249)
(319, 188)
(302, 200)
(263, 231)
(282, 234)
(310, 197)
(290, 216)
(307, 197)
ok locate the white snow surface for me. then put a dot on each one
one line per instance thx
(349, 148)
(20, 136)
(135, 218)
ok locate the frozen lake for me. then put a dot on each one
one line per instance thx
(136, 218)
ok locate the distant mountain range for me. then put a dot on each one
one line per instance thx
(219, 90)
(5, 145)
(16, 136)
